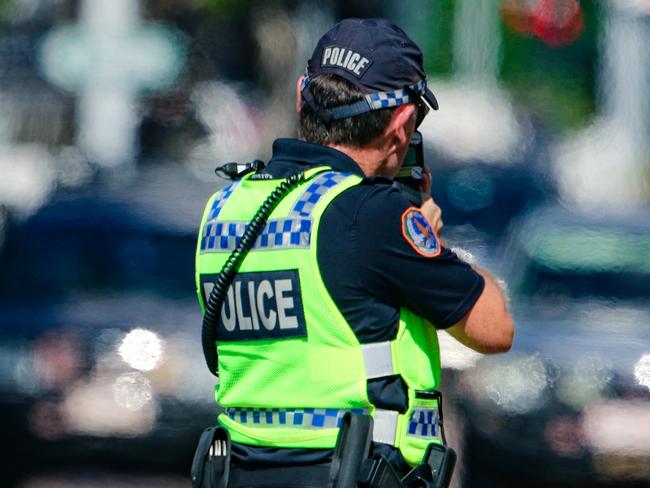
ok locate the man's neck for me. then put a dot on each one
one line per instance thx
(371, 160)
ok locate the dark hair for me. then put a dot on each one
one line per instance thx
(333, 91)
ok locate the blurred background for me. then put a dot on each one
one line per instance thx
(113, 115)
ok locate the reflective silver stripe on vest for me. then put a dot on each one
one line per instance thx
(385, 426)
(378, 359)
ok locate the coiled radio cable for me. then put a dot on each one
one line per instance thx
(231, 267)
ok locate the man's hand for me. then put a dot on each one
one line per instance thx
(429, 208)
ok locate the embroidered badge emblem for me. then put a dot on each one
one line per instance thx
(419, 234)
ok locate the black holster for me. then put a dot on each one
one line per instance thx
(351, 467)
(352, 449)
(211, 464)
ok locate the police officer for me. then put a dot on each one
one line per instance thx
(336, 306)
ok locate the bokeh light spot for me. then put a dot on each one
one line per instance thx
(141, 349)
(642, 371)
(132, 391)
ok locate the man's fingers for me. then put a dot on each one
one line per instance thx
(425, 186)
(431, 212)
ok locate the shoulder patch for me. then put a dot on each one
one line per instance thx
(419, 234)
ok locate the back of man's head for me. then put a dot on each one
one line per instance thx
(359, 71)
(333, 91)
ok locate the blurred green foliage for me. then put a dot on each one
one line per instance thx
(223, 7)
(430, 24)
(6, 8)
(557, 84)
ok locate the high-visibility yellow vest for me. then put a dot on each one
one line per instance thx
(290, 366)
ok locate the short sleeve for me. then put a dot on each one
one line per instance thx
(405, 264)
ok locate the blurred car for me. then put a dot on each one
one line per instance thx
(485, 175)
(569, 405)
(486, 196)
(101, 358)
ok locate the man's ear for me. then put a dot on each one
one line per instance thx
(299, 93)
(400, 123)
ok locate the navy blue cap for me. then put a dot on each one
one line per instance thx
(378, 58)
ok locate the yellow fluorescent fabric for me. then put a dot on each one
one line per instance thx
(326, 368)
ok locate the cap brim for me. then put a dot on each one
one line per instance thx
(431, 99)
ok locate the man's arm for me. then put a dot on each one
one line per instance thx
(380, 262)
(488, 327)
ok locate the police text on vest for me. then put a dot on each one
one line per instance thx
(261, 305)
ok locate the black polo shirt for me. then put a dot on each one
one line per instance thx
(371, 270)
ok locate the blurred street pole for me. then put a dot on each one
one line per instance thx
(460, 129)
(477, 41)
(625, 77)
(107, 117)
(108, 59)
(604, 166)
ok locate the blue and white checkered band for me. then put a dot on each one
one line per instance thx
(292, 232)
(305, 81)
(396, 97)
(424, 423)
(283, 233)
(318, 187)
(304, 418)
(372, 101)
(220, 200)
